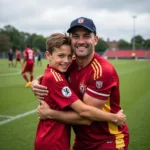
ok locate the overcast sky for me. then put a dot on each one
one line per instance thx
(113, 18)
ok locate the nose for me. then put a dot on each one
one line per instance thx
(81, 40)
(66, 59)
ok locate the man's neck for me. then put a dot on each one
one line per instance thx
(84, 61)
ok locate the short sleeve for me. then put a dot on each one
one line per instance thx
(101, 87)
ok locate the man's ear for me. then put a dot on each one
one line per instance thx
(96, 40)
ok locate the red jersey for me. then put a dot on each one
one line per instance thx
(52, 134)
(29, 60)
(100, 80)
(29, 55)
(18, 55)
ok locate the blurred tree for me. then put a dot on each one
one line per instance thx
(5, 43)
(139, 42)
(101, 45)
(11, 37)
(147, 44)
(40, 42)
(29, 39)
(124, 44)
(13, 34)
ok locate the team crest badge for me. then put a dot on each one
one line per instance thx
(69, 80)
(80, 20)
(82, 88)
(99, 84)
(66, 91)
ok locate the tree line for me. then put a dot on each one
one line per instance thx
(10, 37)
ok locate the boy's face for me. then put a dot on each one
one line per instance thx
(61, 58)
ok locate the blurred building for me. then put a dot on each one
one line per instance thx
(113, 45)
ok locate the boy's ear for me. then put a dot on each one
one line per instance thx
(47, 54)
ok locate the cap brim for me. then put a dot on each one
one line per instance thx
(70, 29)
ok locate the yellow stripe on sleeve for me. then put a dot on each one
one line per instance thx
(56, 75)
(97, 69)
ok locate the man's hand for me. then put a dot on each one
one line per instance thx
(121, 118)
(39, 90)
(44, 111)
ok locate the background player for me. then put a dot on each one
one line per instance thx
(28, 65)
(10, 58)
(39, 57)
(18, 57)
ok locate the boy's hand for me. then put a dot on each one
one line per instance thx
(121, 119)
(44, 111)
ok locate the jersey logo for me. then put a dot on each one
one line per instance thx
(99, 84)
(82, 88)
(69, 80)
(81, 20)
(66, 91)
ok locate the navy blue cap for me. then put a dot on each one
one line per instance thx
(83, 22)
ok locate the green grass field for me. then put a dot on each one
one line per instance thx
(18, 120)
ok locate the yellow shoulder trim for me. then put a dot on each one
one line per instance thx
(56, 75)
(97, 69)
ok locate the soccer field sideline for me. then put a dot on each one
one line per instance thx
(12, 118)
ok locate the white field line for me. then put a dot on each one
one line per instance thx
(10, 74)
(33, 111)
(17, 117)
(3, 116)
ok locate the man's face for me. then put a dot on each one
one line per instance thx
(83, 42)
(61, 58)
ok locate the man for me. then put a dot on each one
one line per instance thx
(28, 65)
(96, 82)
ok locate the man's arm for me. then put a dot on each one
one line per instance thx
(87, 99)
(39, 90)
(68, 117)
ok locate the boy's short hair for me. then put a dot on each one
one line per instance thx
(56, 40)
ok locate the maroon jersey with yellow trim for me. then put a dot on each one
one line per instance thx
(50, 133)
(100, 80)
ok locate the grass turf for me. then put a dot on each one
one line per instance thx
(15, 99)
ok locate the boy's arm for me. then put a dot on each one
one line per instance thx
(68, 117)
